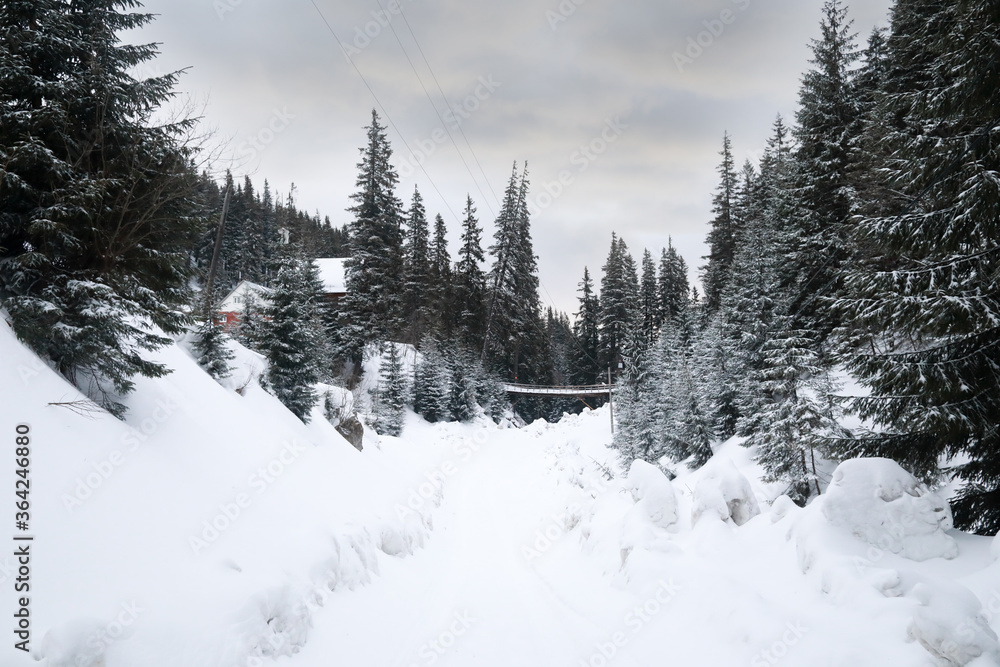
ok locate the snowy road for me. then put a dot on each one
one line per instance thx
(532, 563)
(476, 595)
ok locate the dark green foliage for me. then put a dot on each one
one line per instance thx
(293, 337)
(922, 298)
(211, 350)
(432, 383)
(98, 203)
(393, 391)
(470, 283)
(586, 329)
(722, 236)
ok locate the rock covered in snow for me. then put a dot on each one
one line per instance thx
(886, 506)
(726, 493)
(653, 493)
(949, 623)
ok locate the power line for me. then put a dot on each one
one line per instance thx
(379, 103)
(433, 106)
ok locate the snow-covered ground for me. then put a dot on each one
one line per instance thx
(214, 529)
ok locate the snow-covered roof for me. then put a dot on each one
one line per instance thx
(236, 299)
(331, 272)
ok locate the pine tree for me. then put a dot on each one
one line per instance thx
(649, 297)
(722, 236)
(372, 309)
(439, 289)
(293, 337)
(795, 415)
(515, 338)
(465, 374)
(416, 270)
(392, 395)
(620, 308)
(432, 383)
(470, 282)
(827, 128)
(922, 300)
(98, 215)
(672, 284)
(586, 329)
(211, 350)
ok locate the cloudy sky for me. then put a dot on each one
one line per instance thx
(617, 106)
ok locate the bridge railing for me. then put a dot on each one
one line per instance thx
(564, 390)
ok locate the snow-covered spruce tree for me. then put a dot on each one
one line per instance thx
(372, 308)
(620, 308)
(681, 408)
(292, 337)
(432, 383)
(672, 284)
(827, 126)
(211, 350)
(722, 236)
(470, 282)
(923, 301)
(649, 297)
(439, 294)
(515, 343)
(393, 392)
(416, 270)
(465, 370)
(586, 329)
(97, 201)
(795, 415)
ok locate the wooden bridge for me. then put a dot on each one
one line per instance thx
(574, 391)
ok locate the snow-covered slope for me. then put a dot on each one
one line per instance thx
(214, 529)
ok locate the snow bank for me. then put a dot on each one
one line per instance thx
(653, 494)
(949, 623)
(725, 493)
(882, 504)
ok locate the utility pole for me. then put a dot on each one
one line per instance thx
(215, 255)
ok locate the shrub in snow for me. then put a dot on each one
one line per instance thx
(725, 492)
(652, 492)
(950, 625)
(886, 506)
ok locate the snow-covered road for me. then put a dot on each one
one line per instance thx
(535, 560)
(479, 593)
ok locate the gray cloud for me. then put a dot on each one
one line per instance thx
(558, 88)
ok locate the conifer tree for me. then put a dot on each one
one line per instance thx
(416, 268)
(292, 337)
(826, 129)
(586, 329)
(922, 299)
(470, 282)
(649, 297)
(619, 302)
(439, 288)
(211, 351)
(371, 309)
(98, 210)
(432, 383)
(392, 393)
(672, 284)
(723, 233)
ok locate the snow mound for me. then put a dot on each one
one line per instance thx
(653, 493)
(884, 505)
(949, 623)
(724, 492)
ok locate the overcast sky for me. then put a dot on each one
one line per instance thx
(625, 102)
